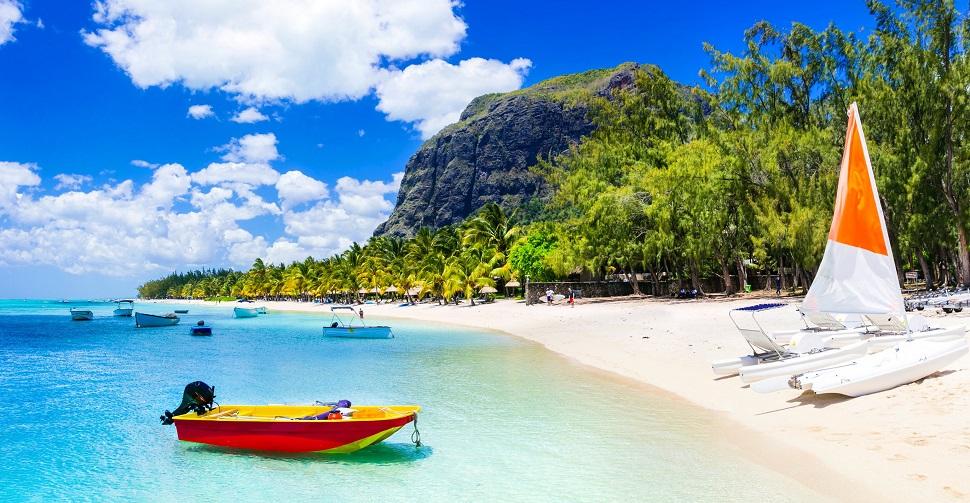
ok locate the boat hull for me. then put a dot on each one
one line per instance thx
(244, 312)
(879, 342)
(125, 312)
(202, 331)
(82, 315)
(289, 435)
(901, 364)
(803, 363)
(359, 332)
(143, 320)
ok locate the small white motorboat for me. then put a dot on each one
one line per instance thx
(155, 320)
(260, 310)
(354, 327)
(245, 312)
(81, 314)
(903, 363)
(125, 307)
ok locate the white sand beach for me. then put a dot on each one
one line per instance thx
(911, 443)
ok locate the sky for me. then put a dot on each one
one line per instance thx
(140, 137)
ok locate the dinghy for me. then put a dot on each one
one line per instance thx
(180, 311)
(336, 428)
(260, 310)
(143, 320)
(81, 314)
(201, 328)
(125, 307)
(353, 326)
(858, 275)
(244, 312)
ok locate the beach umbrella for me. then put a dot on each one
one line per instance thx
(414, 291)
(362, 290)
(513, 284)
(391, 289)
(488, 289)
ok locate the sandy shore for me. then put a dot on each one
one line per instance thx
(907, 444)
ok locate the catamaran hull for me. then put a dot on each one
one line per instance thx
(803, 363)
(82, 315)
(244, 312)
(122, 312)
(359, 332)
(786, 336)
(901, 364)
(143, 320)
(878, 342)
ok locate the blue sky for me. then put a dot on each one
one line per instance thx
(346, 96)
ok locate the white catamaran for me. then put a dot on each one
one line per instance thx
(858, 276)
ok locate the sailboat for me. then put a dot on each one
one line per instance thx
(858, 276)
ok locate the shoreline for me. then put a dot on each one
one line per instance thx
(913, 437)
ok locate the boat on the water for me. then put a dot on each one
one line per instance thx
(244, 312)
(351, 325)
(181, 311)
(125, 307)
(323, 428)
(81, 314)
(155, 320)
(201, 328)
(260, 310)
(857, 275)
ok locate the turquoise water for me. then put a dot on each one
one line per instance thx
(503, 418)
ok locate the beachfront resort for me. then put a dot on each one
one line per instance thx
(431, 251)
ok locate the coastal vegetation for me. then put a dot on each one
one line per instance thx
(678, 184)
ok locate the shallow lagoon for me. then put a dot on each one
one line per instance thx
(503, 418)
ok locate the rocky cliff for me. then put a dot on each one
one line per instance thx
(486, 156)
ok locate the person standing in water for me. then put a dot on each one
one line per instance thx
(361, 313)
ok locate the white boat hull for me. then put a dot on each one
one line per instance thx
(359, 332)
(901, 364)
(244, 312)
(122, 311)
(82, 315)
(804, 362)
(878, 342)
(150, 320)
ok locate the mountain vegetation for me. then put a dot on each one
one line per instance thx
(721, 180)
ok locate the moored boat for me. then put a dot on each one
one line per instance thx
(180, 311)
(155, 320)
(260, 310)
(81, 314)
(244, 312)
(325, 428)
(353, 326)
(200, 328)
(125, 307)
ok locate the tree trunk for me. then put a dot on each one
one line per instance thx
(632, 278)
(963, 256)
(728, 283)
(742, 273)
(695, 277)
(927, 272)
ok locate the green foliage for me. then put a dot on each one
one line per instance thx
(528, 257)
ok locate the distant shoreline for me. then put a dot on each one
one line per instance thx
(843, 448)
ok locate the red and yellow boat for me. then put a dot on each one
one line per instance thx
(293, 428)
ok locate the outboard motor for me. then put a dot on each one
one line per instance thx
(198, 396)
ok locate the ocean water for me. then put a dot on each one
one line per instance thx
(503, 419)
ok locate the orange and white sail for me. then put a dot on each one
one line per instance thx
(857, 273)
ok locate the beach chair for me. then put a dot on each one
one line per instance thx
(822, 321)
(887, 323)
(764, 347)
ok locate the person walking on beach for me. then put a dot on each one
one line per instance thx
(572, 298)
(361, 313)
(549, 293)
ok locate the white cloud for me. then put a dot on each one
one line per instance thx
(11, 13)
(14, 175)
(70, 181)
(288, 49)
(434, 93)
(252, 148)
(361, 133)
(200, 111)
(249, 116)
(143, 164)
(295, 188)
(181, 218)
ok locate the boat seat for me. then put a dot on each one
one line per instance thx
(824, 321)
(887, 322)
(759, 340)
